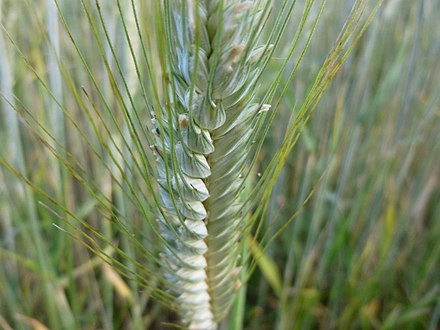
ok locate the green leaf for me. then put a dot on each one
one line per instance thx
(267, 266)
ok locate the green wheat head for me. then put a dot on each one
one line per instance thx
(203, 148)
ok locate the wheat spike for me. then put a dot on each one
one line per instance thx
(204, 143)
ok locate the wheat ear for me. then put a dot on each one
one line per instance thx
(204, 142)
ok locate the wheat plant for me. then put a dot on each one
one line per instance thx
(152, 142)
(215, 67)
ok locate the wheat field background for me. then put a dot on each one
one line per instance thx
(344, 235)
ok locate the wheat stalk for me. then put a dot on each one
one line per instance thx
(203, 143)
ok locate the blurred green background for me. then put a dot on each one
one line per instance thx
(362, 253)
